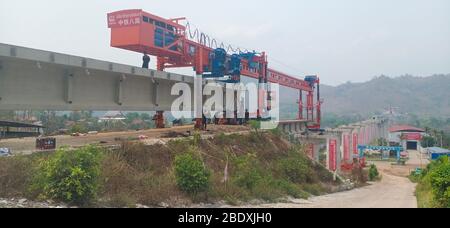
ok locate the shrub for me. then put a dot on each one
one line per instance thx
(433, 189)
(373, 173)
(71, 176)
(191, 175)
(296, 168)
(78, 128)
(440, 182)
(268, 188)
(247, 175)
(197, 138)
(255, 125)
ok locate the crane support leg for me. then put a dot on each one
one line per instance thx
(310, 106)
(300, 105)
(159, 120)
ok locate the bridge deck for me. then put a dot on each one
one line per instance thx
(43, 80)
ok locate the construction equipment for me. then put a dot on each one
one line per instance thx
(176, 45)
(46, 143)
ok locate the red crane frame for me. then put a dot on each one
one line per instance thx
(133, 30)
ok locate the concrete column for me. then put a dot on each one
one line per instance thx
(340, 157)
(337, 137)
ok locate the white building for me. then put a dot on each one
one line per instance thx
(406, 136)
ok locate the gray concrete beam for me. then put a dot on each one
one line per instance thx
(41, 80)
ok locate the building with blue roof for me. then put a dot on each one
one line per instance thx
(436, 152)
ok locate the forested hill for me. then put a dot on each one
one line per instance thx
(415, 95)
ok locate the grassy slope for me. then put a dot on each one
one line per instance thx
(260, 166)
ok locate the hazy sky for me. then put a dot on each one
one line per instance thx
(344, 40)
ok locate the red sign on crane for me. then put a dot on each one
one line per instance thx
(124, 18)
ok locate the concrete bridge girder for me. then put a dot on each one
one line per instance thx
(40, 80)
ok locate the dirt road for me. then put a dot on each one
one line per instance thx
(393, 191)
(27, 145)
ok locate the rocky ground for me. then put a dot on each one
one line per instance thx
(24, 203)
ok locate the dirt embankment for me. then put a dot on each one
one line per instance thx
(27, 145)
(242, 167)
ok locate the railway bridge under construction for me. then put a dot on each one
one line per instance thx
(40, 80)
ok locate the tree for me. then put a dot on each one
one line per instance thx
(75, 116)
(382, 142)
(146, 117)
(428, 141)
(130, 117)
(7, 115)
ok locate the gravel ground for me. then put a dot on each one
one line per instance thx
(24, 203)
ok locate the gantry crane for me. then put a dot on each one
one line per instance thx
(175, 45)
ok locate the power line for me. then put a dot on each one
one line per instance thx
(286, 65)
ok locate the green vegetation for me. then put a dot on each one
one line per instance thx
(296, 168)
(373, 173)
(235, 168)
(333, 120)
(382, 142)
(433, 189)
(191, 174)
(78, 128)
(348, 98)
(79, 121)
(428, 141)
(255, 125)
(248, 174)
(437, 128)
(70, 176)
